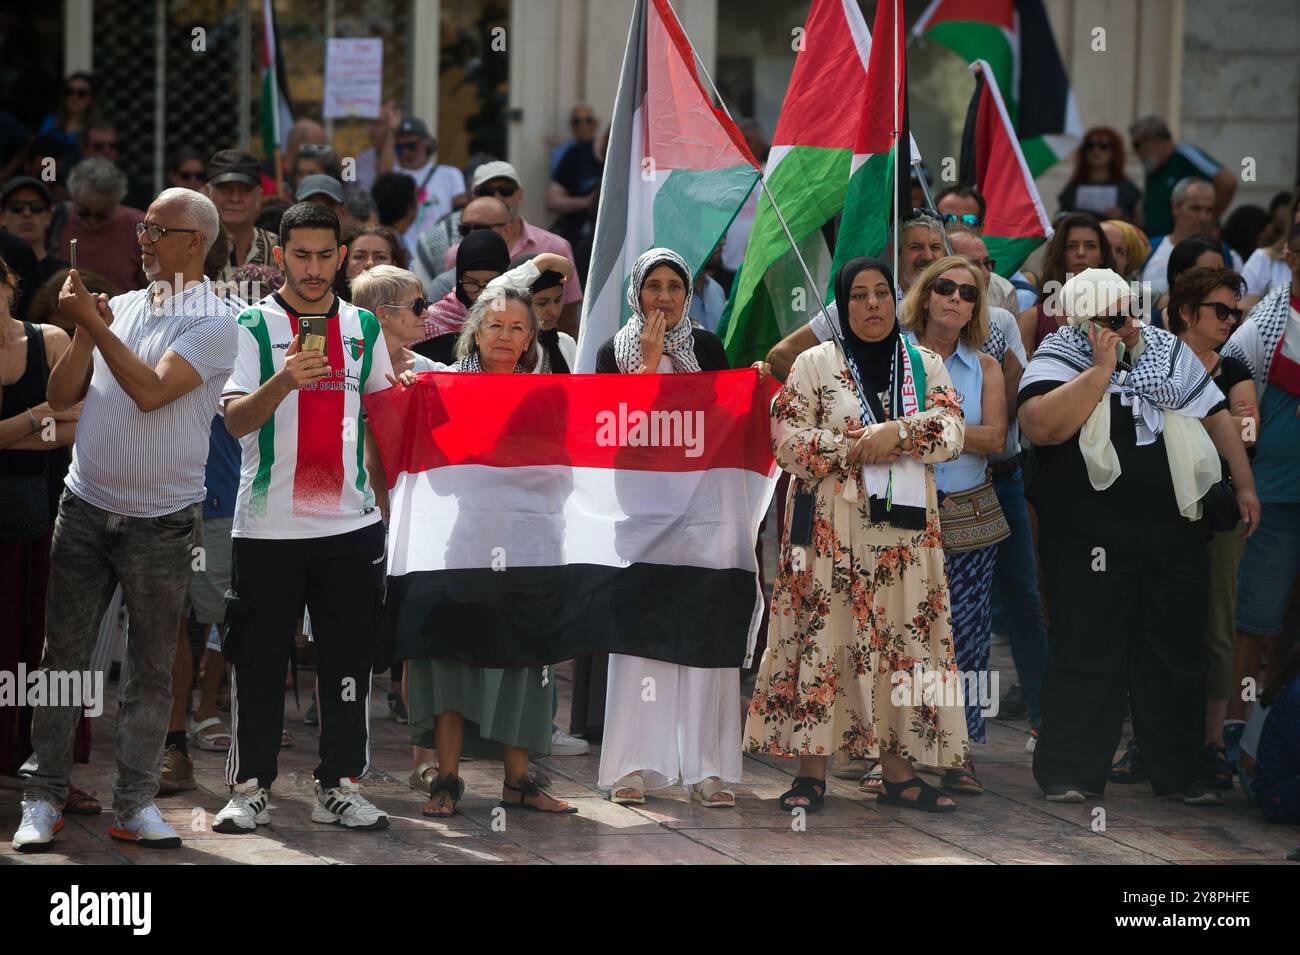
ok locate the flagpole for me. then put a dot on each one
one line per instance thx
(894, 236)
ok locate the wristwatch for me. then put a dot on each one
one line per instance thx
(902, 432)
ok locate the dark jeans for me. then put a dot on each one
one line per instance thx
(1015, 584)
(93, 551)
(340, 579)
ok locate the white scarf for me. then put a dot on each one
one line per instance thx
(679, 345)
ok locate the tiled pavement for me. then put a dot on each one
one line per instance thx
(1010, 823)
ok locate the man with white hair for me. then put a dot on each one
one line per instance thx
(149, 365)
(103, 227)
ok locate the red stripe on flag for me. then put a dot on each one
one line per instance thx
(826, 85)
(999, 13)
(318, 478)
(1010, 204)
(884, 98)
(688, 422)
(674, 99)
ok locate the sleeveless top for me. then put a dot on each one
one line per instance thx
(968, 471)
(1046, 324)
(27, 392)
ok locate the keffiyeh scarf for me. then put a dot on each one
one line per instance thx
(679, 345)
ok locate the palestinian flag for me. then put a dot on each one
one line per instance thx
(277, 118)
(537, 517)
(1015, 38)
(1015, 222)
(807, 169)
(882, 155)
(676, 172)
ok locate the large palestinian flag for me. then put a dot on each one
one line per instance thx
(1015, 38)
(537, 517)
(1015, 222)
(807, 172)
(676, 172)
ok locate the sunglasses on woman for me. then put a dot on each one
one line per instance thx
(945, 287)
(418, 306)
(1222, 312)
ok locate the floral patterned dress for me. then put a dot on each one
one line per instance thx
(860, 650)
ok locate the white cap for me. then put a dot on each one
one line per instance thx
(494, 170)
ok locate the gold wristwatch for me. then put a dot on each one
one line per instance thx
(902, 432)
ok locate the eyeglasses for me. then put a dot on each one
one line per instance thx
(81, 91)
(418, 306)
(465, 228)
(965, 218)
(1097, 144)
(191, 177)
(472, 287)
(156, 232)
(1223, 312)
(945, 287)
(19, 206)
(988, 264)
(501, 192)
(86, 214)
(314, 149)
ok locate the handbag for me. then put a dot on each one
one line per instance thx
(1219, 506)
(971, 519)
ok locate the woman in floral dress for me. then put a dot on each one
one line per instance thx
(860, 652)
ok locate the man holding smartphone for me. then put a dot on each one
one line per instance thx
(306, 529)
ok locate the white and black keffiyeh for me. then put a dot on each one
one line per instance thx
(996, 346)
(473, 362)
(1255, 343)
(679, 346)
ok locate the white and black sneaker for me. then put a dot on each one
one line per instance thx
(343, 804)
(245, 811)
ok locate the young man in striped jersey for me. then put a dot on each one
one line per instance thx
(306, 528)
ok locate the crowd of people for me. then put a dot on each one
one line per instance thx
(1097, 459)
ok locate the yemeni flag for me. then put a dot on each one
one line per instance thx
(807, 168)
(277, 118)
(880, 184)
(1015, 222)
(676, 172)
(1015, 38)
(537, 517)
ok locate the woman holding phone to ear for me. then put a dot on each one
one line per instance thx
(1127, 428)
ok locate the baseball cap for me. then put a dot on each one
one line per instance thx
(495, 170)
(25, 182)
(412, 126)
(234, 165)
(319, 184)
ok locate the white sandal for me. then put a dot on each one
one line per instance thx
(210, 742)
(631, 781)
(422, 777)
(704, 791)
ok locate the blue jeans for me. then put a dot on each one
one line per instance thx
(1015, 586)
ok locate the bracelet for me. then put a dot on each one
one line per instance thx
(36, 428)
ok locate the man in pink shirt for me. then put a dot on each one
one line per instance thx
(103, 227)
(499, 179)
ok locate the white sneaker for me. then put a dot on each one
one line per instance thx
(562, 744)
(246, 809)
(41, 820)
(344, 804)
(146, 828)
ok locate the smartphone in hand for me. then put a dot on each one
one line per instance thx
(312, 331)
(73, 256)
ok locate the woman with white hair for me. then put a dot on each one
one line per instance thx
(103, 227)
(1126, 424)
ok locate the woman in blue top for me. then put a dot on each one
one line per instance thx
(76, 111)
(946, 311)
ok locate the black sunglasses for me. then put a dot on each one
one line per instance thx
(502, 192)
(945, 287)
(191, 177)
(1113, 322)
(34, 206)
(1096, 144)
(1222, 311)
(465, 228)
(418, 306)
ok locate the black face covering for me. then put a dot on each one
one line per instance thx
(480, 251)
(875, 360)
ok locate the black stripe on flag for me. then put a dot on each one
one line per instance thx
(967, 174)
(535, 616)
(1044, 91)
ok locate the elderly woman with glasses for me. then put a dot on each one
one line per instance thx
(482, 711)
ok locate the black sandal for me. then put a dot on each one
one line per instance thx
(528, 787)
(1128, 768)
(1223, 774)
(452, 785)
(927, 800)
(805, 787)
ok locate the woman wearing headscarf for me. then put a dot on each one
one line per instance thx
(946, 311)
(1126, 424)
(689, 734)
(859, 660)
(482, 256)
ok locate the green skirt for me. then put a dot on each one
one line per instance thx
(501, 707)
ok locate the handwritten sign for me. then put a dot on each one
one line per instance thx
(354, 77)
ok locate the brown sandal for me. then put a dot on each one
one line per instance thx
(527, 788)
(82, 803)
